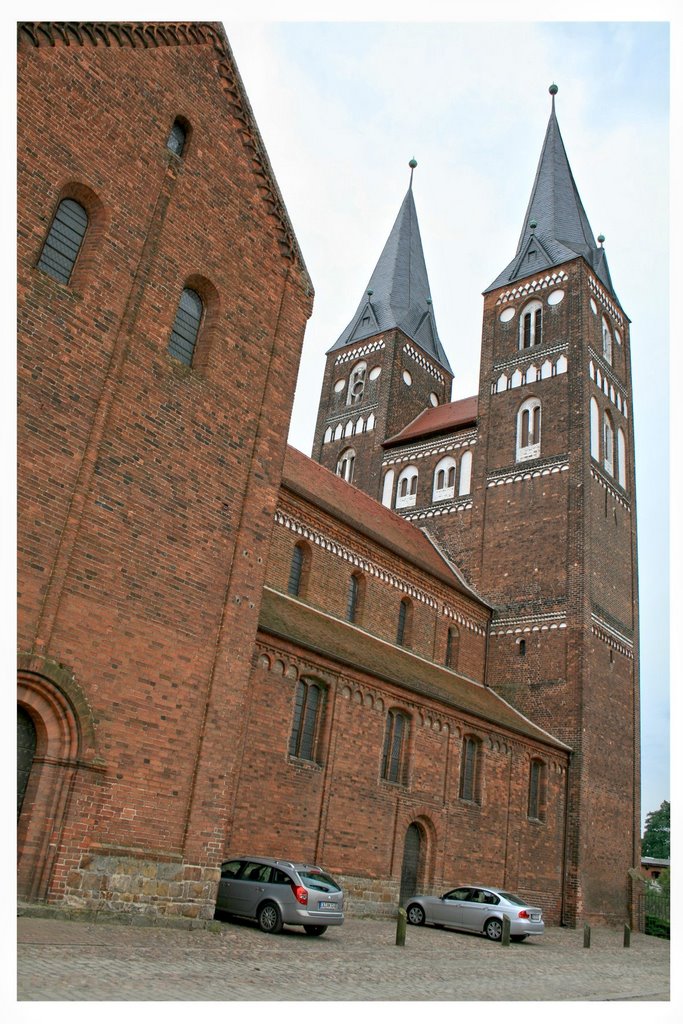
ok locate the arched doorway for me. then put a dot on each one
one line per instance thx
(26, 750)
(412, 860)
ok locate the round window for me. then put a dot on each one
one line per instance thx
(434, 398)
(507, 314)
(407, 379)
(593, 306)
(555, 298)
(617, 337)
(340, 385)
(375, 372)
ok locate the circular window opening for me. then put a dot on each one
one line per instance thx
(375, 372)
(434, 398)
(407, 379)
(593, 306)
(507, 314)
(340, 385)
(555, 298)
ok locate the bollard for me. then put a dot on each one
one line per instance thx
(586, 936)
(505, 937)
(627, 937)
(401, 922)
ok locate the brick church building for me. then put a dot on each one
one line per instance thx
(412, 658)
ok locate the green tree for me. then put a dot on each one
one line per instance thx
(657, 838)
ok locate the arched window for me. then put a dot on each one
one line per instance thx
(64, 240)
(406, 488)
(354, 598)
(308, 711)
(465, 483)
(444, 479)
(296, 570)
(621, 458)
(371, 422)
(470, 769)
(405, 617)
(395, 751)
(529, 430)
(452, 647)
(328, 435)
(177, 137)
(346, 463)
(388, 488)
(537, 790)
(338, 431)
(595, 430)
(185, 330)
(531, 325)
(608, 444)
(356, 384)
(606, 340)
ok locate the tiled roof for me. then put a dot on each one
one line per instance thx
(437, 420)
(353, 507)
(289, 619)
(398, 294)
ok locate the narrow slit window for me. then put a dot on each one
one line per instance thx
(177, 138)
(185, 330)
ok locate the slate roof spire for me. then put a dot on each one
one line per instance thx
(398, 293)
(556, 227)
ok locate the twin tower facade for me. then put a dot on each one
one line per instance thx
(528, 486)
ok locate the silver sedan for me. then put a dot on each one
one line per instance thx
(475, 908)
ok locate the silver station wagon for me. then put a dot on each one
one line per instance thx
(475, 908)
(279, 892)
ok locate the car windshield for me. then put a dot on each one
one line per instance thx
(511, 898)
(319, 880)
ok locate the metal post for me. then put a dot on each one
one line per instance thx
(586, 936)
(401, 922)
(627, 937)
(505, 937)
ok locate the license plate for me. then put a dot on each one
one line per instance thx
(535, 917)
(326, 905)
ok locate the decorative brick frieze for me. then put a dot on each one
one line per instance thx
(428, 448)
(604, 300)
(531, 287)
(358, 352)
(425, 363)
(549, 468)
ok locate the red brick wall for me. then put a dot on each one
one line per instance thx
(147, 489)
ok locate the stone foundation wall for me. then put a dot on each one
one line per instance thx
(142, 886)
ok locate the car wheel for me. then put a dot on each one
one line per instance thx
(315, 929)
(493, 929)
(416, 914)
(270, 918)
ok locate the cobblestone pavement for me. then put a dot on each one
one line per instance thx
(68, 960)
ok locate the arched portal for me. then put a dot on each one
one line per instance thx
(412, 862)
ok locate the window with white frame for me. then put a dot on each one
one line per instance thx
(444, 479)
(465, 482)
(595, 430)
(608, 444)
(531, 325)
(354, 394)
(606, 340)
(621, 458)
(346, 463)
(406, 487)
(388, 488)
(528, 430)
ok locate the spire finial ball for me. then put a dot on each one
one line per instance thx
(412, 163)
(601, 239)
(532, 224)
(553, 90)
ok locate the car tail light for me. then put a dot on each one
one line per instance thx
(523, 913)
(300, 893)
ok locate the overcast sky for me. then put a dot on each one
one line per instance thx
(344, 105)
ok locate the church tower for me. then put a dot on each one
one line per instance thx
(387, 366)
(554, 506)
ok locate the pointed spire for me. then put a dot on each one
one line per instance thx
(398, 293)
(556, 227)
